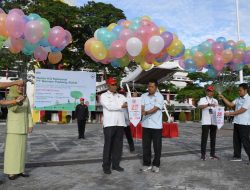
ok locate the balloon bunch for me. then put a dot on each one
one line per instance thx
(139, 40)
(216, 55)
(32, 35)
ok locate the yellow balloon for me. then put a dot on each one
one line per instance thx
(98, 50)
(162, 29)
(111, 26)
(138, 59)
(175, 47)
(146, 66)
(247, 48)
(146, 18)
(157, 63)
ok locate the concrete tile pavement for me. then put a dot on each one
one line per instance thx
(76, 164)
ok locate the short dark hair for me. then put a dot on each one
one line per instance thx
(244, 86)
(153, 81)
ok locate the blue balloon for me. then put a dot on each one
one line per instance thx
(194, 49)
(117, 29)
(115, 63)
(54, 49)
(204, 47)
(33, 16)
(29, 46)
(44, 42)
(212, 73)
(221, 40)
(134, 26)
(108, 38)
(190, 65)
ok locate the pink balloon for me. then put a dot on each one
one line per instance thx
(17, 44)
(231, 43)
(218, 62)
(67, 40)
(33, 31)
(125, 34)
(1, 11)
(118, 49)
(143, 33)
(56, 36)
(40, 54)
(217, 47)
(105, 61)
(150, 57)
(211, 41)
(154, 30)
(181, 64)
(17, 11)
(146, 23)
(15, 25)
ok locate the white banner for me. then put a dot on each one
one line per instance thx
(134, 110)
(220, 116)
(61, 90)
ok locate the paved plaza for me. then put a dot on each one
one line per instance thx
(58, 160)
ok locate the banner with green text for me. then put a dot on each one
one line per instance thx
(61, 90)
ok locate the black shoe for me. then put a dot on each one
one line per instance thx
(24, 175)
(132, 149)
(119, 169)
(203, 157)
(108, 171)
(13, 177)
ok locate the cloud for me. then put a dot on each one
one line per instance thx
(193, 21)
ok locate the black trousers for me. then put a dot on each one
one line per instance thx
(149, 135)
(113, 144)
(81, 127)
(241, 137)
(129, 137)
(204, 137)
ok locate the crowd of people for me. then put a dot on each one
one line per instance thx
(116, 123)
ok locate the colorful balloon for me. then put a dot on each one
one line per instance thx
(134, 46)
(33, 31)
(155, 44)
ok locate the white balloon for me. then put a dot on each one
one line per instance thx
(134, 46)
(95, 34)
(155, 44)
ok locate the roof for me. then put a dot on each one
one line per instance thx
(160, 73)
(182, 105)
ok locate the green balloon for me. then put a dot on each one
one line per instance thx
(124, 61)
(46, 27)
(209, 57)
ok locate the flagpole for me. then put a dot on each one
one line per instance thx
(238, 33)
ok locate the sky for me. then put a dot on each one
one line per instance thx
(194, 21)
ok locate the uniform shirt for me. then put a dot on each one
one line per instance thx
(82, 112)
(243, 118)
(207, 118)
(113, 114)
(153, 121)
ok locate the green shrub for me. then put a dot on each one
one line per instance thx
(182, 117)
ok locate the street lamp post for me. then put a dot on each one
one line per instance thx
(238, 33)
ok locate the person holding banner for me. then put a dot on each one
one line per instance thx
(9, 84)
(127, 130)
(208, 105)
(241, 121)
(152, 104)
(82, 115)
(113, 126)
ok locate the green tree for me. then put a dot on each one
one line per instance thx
(76, 95)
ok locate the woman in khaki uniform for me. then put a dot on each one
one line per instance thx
(19, 124)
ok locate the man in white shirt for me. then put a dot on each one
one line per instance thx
(208, 104)
(113, 123)
(152, 104)
(241, 121)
